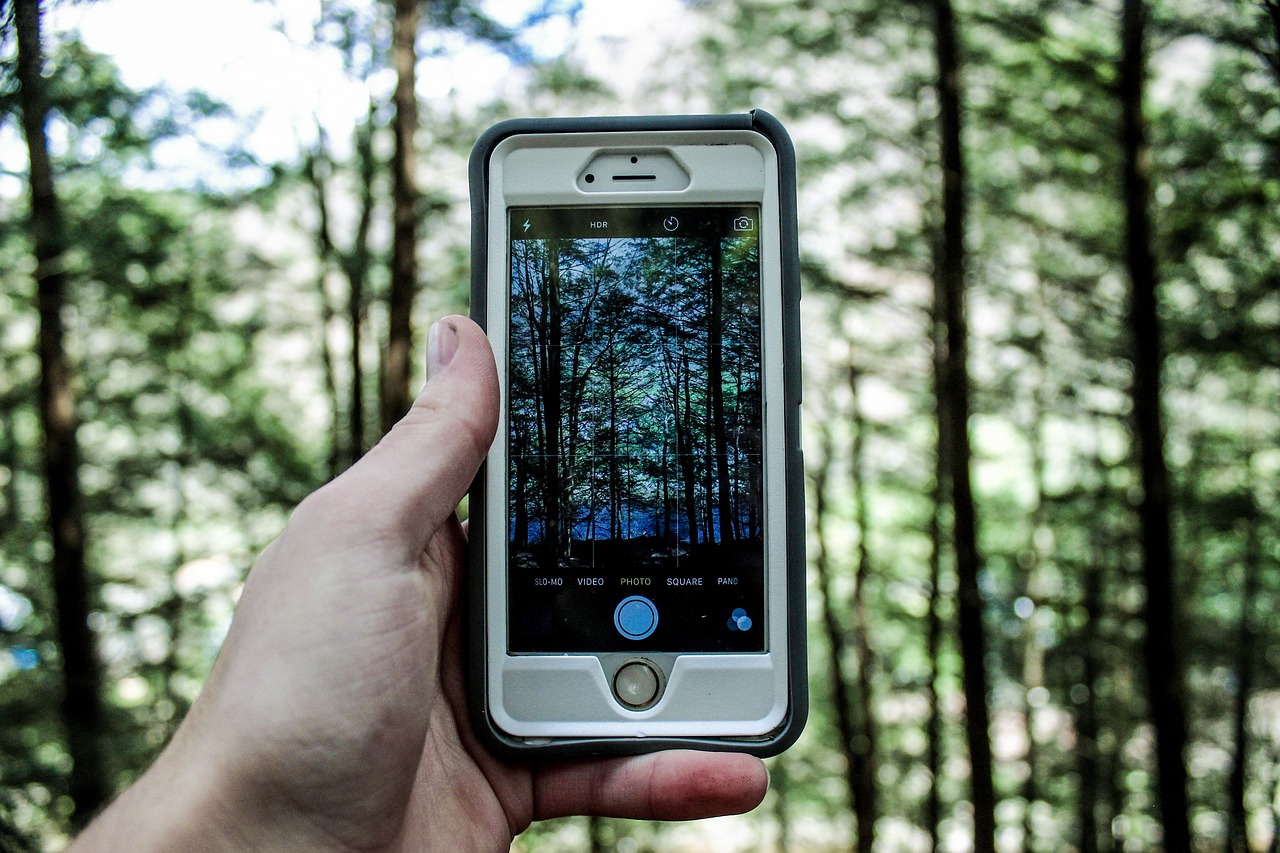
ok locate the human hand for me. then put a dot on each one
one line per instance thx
(334, 718)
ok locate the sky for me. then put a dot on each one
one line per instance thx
(257, 56)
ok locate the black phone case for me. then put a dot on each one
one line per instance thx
(498, 741)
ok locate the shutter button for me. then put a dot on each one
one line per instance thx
(635, 617)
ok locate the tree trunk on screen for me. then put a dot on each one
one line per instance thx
(953, 428)
(1163, 653)
(684, 451)
(404, 235)
(81, 704)
(715, 385)
(552, 478)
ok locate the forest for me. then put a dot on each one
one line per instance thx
(1040, 248)
(634, 394)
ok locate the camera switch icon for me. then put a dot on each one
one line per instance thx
(743, 223)
(739, 620)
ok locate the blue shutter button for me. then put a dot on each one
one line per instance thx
(635, 617)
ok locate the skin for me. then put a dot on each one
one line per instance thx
(334, 718)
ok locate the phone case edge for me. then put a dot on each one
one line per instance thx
(797, 654)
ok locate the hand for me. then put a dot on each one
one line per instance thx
(334, 718)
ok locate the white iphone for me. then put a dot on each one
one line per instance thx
(637, 547)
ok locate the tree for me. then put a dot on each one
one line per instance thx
(397, 363)
(1163, 649)
(954, 431)
(81, 701)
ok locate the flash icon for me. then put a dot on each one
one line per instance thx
(526, 226)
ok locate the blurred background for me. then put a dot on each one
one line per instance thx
(1041, 257)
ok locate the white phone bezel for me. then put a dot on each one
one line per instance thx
(737, 695)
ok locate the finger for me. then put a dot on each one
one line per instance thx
(677, 785)
(417, 474)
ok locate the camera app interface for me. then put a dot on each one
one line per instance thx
(634, 486)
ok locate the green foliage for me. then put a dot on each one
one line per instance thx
(195, 326)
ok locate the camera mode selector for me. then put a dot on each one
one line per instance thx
(635, 617)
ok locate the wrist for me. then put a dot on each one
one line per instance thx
(185, 801)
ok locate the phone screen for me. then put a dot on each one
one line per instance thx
(634, 441)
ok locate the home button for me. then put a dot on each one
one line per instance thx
(636, 685)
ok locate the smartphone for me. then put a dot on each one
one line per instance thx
(637, 552)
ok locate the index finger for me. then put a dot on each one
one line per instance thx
(674, 785)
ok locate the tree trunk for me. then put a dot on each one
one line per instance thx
(1237, 830)
(553, 468)
(1163, 653)
(81, 707)
(937, 538)
(684, 450)
(356, 265)
(864, 747)
(836, 644)
(715, 385)
(1087, 718)
(404, 268)
(954, 428)
(317, 169)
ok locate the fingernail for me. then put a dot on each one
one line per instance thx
(442, 344)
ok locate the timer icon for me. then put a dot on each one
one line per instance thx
(671, 223)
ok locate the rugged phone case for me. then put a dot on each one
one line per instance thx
(786, 733)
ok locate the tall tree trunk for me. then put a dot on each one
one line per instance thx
(1237, 830)
(684, 449)
(81, 706)
(404, 234)
(864, 747)
(780, 784)
(1163, 652)
(357, 265)
(715, 385)
(836, 643)
(553, 478)
(318, 168)
(1272, 8)
(938, 543)
(1086, 754)
(596, 840)
(954, 428)
(1033, 651)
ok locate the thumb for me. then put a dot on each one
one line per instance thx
(413, 480)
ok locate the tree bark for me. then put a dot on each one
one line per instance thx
(715, 385)
(836, 643)
(953, 428)
(866, 799)
(356, 266)
(404, 235)
(553, 478)
(1237, 830)
(1162, 650)
(317, 170)
(81, 706)
(938, 539)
